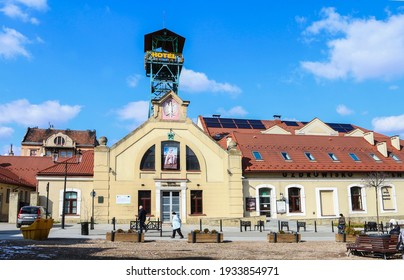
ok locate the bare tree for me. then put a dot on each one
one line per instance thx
(376, 180)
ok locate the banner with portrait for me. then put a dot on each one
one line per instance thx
(170, 157)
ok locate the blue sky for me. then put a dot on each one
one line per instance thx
(80, 64)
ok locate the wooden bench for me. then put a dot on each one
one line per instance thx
(245, 224)
(149, 225)
(284, 224)
(374, 246)
(300, 225)
(260, 225)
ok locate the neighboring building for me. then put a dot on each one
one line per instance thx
(313, 170)
(18, 183)
(43, 142)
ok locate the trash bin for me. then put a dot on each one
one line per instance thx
(84, 228)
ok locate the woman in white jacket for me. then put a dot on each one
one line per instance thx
(176, 224)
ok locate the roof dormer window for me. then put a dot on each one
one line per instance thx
(354, 157)
(286, 156)
(59, 141)
(396, 158)
(310, 156)
(333, 156)
(375, 157)
(257, 155)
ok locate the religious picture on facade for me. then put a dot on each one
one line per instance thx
(170, 157)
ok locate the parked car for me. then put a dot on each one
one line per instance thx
(28, 215)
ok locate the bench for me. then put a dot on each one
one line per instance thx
(245, 224)
(149, 225)
(300, 225)
(260, 225)
(370, 226)
(284, 224)
(374, 246)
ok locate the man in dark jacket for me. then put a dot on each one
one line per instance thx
(142, 218)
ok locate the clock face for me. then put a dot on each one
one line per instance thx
(171, 110)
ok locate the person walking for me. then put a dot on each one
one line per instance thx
(142, 218)
(176, 224)
(400, 243)
(341, 223)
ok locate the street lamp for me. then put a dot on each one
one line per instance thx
(78, 157)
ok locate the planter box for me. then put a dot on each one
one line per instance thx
(343, 237)
(38, 230)
(205, 237)
(275, 237)
(125, 236)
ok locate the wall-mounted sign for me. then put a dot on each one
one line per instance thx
(123, 199)
(280, 206)
(250, 204)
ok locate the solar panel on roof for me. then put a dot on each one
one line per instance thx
(258, 126)
(290, 123)
(229, 125)
(244, 126)
(212, 122)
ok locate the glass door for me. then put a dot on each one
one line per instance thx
(265, 202)
(171, 202)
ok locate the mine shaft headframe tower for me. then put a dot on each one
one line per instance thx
(163, 62)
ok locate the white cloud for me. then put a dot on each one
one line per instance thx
(236, 111)
(12, 44)
(360, 48)
(136, 112)
(40, 5)
(390, 124)
(14, 11)
(192, 81)
(23, 113)
(133, 80)
(344, 110)
(6, 132)
(394, 87)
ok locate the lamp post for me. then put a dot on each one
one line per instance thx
(78, 158)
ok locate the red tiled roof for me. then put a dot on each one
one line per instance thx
(270, 147)
(84, 168)
(8, 177)
(25, 167)
(81, 137)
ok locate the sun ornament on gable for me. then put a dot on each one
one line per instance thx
(170, 107)
(316, 127)
(275, 130)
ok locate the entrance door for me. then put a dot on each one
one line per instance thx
(171, 202)
(265, 202)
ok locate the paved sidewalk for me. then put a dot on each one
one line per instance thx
(324, 233)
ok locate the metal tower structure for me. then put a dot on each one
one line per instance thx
(163, 62)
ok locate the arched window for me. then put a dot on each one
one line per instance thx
(59, 141)
(148, 159)
(192, 161)
(170, 155)
(356, 199)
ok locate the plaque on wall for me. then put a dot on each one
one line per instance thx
(123, 199)
(281, 206)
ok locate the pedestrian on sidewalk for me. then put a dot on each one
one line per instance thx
(341, 223)
(142, 218)
(176, 224)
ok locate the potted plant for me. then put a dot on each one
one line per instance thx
(349, 235)
(284, 237)
(125, 236)
(205, 236)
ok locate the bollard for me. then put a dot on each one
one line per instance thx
(113, 235)
(218, 237)
(221, 225)
(297, 225)
(113, 222)
(332, 226)
(279, 225)
(315, 226)
(200, 224)
(241, 227)
(193, 234)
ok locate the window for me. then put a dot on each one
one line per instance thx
(396, 158)
(144, 199)
(71, 203)
(294, 200)
(257, 155)
(310, 156)
(148, 159)
(170, 153)
(192, 161)
(33, 153)
(356, 199)
(196, 202)
(333, 156)
(286, 156)
(354, 157)
(59, 141)
(375, 157)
